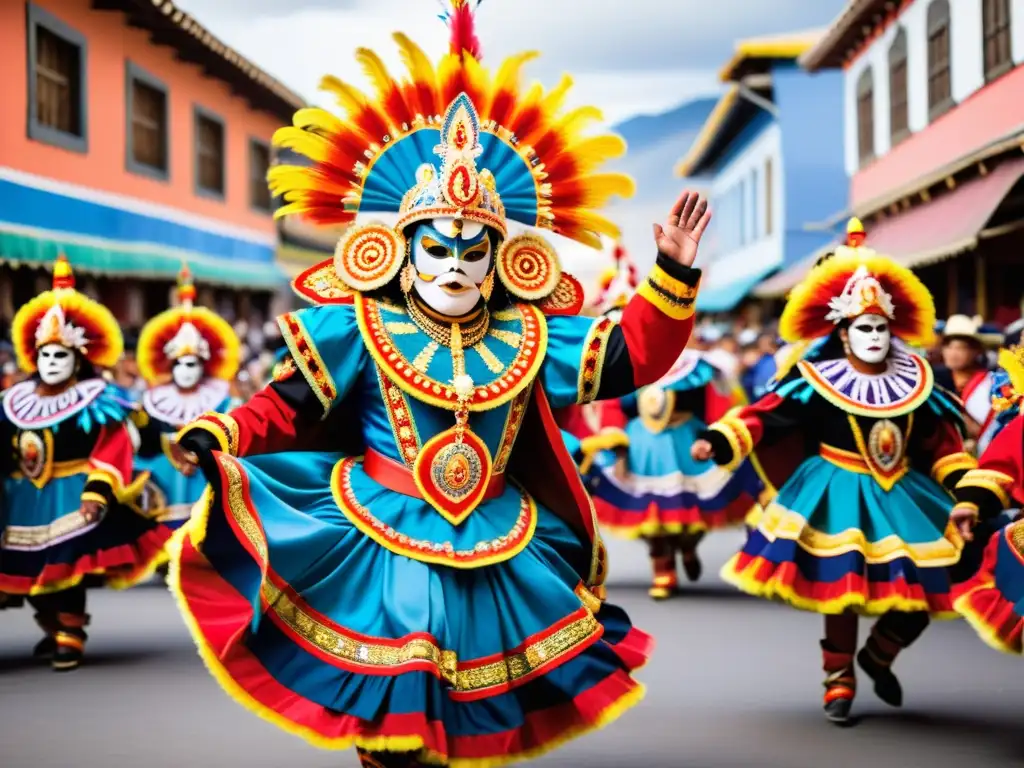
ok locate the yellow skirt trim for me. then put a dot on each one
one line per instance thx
(778, 522)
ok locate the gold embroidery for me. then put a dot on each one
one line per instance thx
(366, 653)
(993, 481)
(513, 421)
(34, 537)
(426, 357)
(592, 363)
(954, 462)
(511, 338)
(403, 428)
(311, 365)
(494, 365)
(401, 328)
(240, 510)
(506, 314)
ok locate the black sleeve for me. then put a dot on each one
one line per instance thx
(617, 375)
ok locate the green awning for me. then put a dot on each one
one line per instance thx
(139, 260)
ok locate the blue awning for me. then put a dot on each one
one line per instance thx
(726, 295)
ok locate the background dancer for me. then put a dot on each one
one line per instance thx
(437, 350)
(862, 525)
(188, 356)
(66, 500)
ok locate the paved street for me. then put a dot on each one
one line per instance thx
(734, 684)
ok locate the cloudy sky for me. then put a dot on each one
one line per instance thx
(640, 56)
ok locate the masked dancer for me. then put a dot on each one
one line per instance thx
(188, 357)
(993, 600)
(424, 590)
(862, 525)
(68, 492)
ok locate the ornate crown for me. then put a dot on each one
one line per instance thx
(66, 317)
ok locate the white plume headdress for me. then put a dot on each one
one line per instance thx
(187, 341)
(862, 295)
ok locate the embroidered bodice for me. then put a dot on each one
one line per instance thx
(47, 436)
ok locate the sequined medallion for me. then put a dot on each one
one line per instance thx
(35, 456)
(453, 472)
(885, 445)
(656, 406)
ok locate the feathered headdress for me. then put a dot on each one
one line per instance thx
(187, 330)
(855, 281)
(1008, 384)
(69, 318)
(617, 283)
(452, 139)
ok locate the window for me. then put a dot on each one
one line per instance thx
(996, 37)
(899, 124)
(742, 195)
(754, 231)
(259, 164)
(865, 117)
(147, 123)
(768, 197)
(56, 82)
(940, 82)
(209, 154)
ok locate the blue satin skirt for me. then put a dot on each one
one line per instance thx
(351, 615)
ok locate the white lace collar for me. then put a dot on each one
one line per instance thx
(27, 409)
(906, 383)
(170, 405)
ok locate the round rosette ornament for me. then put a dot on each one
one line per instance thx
(369, 256)
(528, 267)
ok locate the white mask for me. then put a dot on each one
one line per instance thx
(187, 372)
(451, 260)
(56, 364)
(870, 338)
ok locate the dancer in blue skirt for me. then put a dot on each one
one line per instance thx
(397, 553)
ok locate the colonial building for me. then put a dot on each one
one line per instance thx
(771, 158)
(143, 142)
(934, 126)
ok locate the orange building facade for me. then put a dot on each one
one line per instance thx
(135, 141)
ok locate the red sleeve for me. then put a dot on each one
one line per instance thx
(658, 320)
(265, 424)
(110, 467)
(998, 480)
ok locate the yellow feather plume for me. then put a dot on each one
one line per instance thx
(376, 71)
(317, 119)
(421, 70)
(1012, 361)
(312, 145)
(349, 98)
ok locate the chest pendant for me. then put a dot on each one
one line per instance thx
(885, 445)
(453, 470)
(656, 407)
(35, 457)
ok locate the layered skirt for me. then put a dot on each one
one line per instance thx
(835, 540)
(667, 492)
(47, 545)
(169, 495)
(993, 600)
(351, 615)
